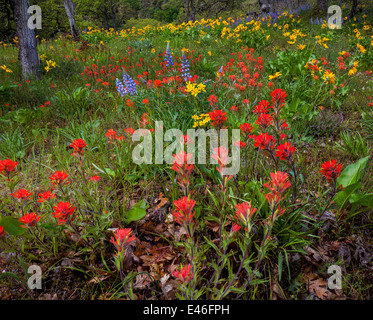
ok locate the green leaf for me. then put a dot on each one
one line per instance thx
(352, 173)
(49, 225)
(362, 199)
(109, 172)
(12, 226)
(14, 276)
(279, 266)
(294, 105)
(342, 196)
(138, 211)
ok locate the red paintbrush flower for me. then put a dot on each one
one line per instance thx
(221, 156)
(129, 130)
(184, 275)
(218, 117)
(59, 178)
(186, 139)
(183, 213)
(63, 211)
(264, 120)
(265, 141)
(261, 107)
(22, 194)
(122, 238)
(279, 182)
(183, 166)
(240, 144)
(285, 151)
(46, 196)
(29, 220)
(212, 99)
(111, 134)
(182, 163)
(2, 232)
(7, 167)
(246, 128)
(245, 212)
(144, 120)
(235, 227)
(331, 169)
(278, 185)
(78, 145)
(157, 83)
(278, 96)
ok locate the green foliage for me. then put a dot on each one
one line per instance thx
(137, 212)
(290, 63)
(352, 195)
(12, 144)
(354, 144)
(12, 226)
(367, 123)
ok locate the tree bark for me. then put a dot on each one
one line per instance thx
(69, 7)
(27, 44)
(190, 10)
(113, 14)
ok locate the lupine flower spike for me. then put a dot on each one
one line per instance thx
(168, 56)
(185, 74)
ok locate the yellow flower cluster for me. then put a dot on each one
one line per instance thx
(329, 77)
(194, 88)
(5, 68)
(201, 120)
(353, 70)
(294, 35)
(50, 64)
(276, 75)
(357, 34)
(361, 48)
(321, 41)
(5, 44)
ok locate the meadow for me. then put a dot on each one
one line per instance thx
(100, 226)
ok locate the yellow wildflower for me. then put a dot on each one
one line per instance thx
(329, 76)
(301, 46)
(276, 75)
(352, 71)
(6, 69)
(361, 48)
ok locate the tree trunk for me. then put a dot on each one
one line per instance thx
(69, 7)
(190, 10)
(114, 14)
(27, 44)
(106, 17)
(323, 5)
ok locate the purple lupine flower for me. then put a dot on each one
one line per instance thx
(129, 85)
(185, 67)
(120, 87)
(168, 56)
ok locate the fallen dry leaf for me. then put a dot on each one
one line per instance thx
(98, 279)
(142, 280)
(317, 286)
(161, 201)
